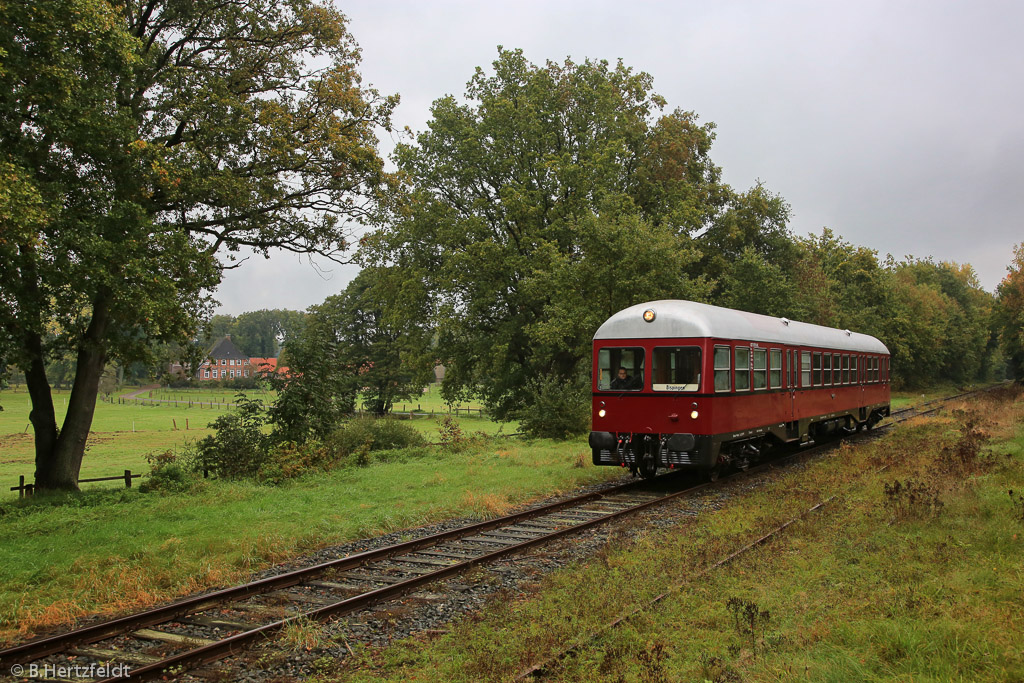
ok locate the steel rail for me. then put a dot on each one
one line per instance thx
(41, 647)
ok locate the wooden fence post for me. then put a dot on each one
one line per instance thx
(127, 479)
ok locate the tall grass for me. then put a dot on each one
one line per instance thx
(65, 556)
(856, 591)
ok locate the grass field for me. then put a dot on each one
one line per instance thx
(123, 434)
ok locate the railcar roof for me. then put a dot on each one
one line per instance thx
(676, 318)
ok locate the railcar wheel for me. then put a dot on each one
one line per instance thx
(648, 471)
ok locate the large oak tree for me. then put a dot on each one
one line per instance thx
(551, 197)
(139, 140)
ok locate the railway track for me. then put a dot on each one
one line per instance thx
(198, 630)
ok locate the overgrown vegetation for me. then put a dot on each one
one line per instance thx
(557, 409)
(850, 592)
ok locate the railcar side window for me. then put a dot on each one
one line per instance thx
(620, 369)
(675, 368)
(775, 365)
(805, 370)
(837, 373)
(853, 369)
(722, 368)
(760, 368)
(828, 368)
(817, 368)
(742, 368)
(846, 368)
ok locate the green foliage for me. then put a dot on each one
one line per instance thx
(364, 434)
(239, 448)
(168, 474)
(380, 322)
(320, 387)
(559, 194)
(558, 409)
(256, 333)
(137, 142)
(1010, 314)
(451, 436)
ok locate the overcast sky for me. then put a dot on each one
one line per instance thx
(896, 124)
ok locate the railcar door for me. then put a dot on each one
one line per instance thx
(790, 382)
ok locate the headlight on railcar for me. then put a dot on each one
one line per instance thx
(601, 413)
(694, 414)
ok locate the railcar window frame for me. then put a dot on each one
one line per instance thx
(805, 369)
(837, 370)
(846, 368)
(638, 381)
(826, 368)
(745, 369)
(775, 368)
(816, 367)
(853, 369)
(759, 379)
(720, 372)
(654, 370)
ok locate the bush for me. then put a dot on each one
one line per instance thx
(167, 474)
(558, 409)
(239, 448)
(365, 434)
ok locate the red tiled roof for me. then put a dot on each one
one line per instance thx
(266, 365)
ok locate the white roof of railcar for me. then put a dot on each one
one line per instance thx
(675, 318)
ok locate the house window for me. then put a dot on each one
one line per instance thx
(206, 373)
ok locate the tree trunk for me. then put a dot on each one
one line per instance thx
(42, 417)
(58, 466)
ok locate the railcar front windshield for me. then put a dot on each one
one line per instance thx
(675, 368)
(620, 369)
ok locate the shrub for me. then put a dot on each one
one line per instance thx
(558, 409)
(167, 474)
(450, 434)
(364, 434)
(239, 448)
(912, 499)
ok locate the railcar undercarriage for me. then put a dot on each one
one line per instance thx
(645, 454)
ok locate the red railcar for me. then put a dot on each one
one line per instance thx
(679, 384)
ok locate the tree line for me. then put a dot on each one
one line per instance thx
(143, 144)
